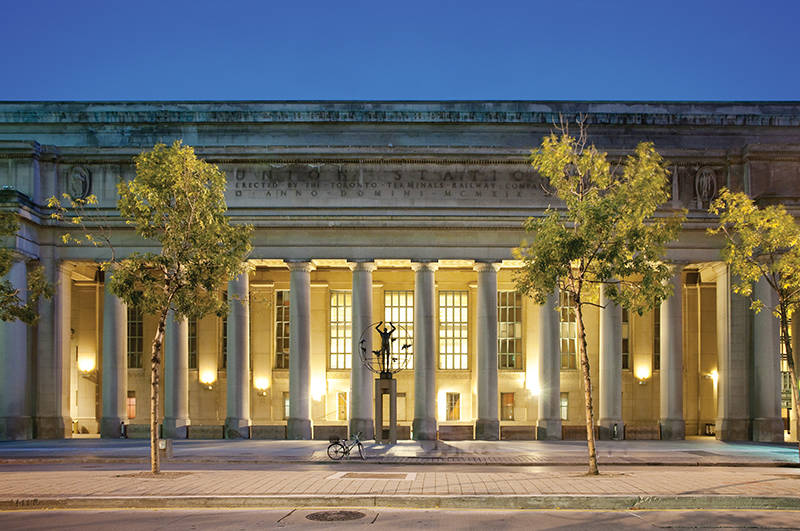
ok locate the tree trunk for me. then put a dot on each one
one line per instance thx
(787, 344)
(155, 371)
(587, 390)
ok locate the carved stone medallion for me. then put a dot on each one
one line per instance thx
(705, 186)
(79, 182)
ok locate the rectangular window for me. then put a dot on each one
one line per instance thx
(453, 330)
(657, 338)
(135, 338)
(626, 340)
(193, 343)
(131, 404)
(506, 406)
(564, 405)
(569, 331)
(223, 361)
(341, 332)
(285, 405)
(509, 330)
(341, 411)
(282, 329)
(786, 378)
(453, 406)
(398, 309)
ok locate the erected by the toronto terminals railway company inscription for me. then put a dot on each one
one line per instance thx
(382, 185)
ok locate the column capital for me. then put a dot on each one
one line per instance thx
(424, 266)
(297, 265)
(359, 265)
(486, 267)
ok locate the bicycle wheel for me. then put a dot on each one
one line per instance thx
(361, 451)
(336, 451)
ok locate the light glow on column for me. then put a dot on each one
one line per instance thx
(86, 363)
(317, 388)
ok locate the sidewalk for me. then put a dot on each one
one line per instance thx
(96, 478)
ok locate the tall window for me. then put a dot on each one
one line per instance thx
(509, 330)
(564, 405)
(135, 338)
(506, 406)
(223, 362)
(399, 310)
(341, 409)
(282, 329)
(131, 405)
(453, 328)
(786, 378)
(285, 405)
(657, 338)
(341, 330)
(626, 341)
(193, 343)
(569, 331)
(453, 406)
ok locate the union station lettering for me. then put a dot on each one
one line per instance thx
(401, 212)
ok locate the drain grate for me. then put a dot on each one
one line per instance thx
(373, 475)
(397, 476)
(335, 516)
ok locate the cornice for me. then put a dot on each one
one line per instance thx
(756, 114)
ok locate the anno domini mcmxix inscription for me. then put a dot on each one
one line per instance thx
(374, 185)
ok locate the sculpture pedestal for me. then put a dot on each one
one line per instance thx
(386, 386)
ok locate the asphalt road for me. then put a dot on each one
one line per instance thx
(372, 518)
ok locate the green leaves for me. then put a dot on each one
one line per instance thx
(178, 200)
(608, 228)
(759, 242)
(12, 304)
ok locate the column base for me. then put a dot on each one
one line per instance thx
(732, 430)
(610, 430)
(424, 429)
(15, 428)
(548, 430)
(672, 429)
(111, 427)
(298, 429)
(236, 428)
(52, 427)
(487, 430)
(365, 427)
(768, 430)
(179, 428)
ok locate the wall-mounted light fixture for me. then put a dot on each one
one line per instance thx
(261, 385)
(207, 378)
(713, 376)
(642, 374)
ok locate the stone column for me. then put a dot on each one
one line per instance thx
(487, 427)
(15, 421)
(548, 424)
(176, 377)
(767, 422)
(53, 358)
(237, 421)
(733, 345)
(361, 386)
(115, 363)
(610, 389)
(299, 422)
(424, 424)
(671, 421)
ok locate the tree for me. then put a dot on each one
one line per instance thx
(762, 243)
(178, 201)
(12, 306)
(605, 233)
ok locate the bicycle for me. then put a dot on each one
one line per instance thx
(339, 448)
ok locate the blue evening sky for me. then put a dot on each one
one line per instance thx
(401, 50)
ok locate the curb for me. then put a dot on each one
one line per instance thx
(479, 461)
(557, 502)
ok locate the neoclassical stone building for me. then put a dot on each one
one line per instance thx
(402, 212)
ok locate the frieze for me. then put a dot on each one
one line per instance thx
(382, 185)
